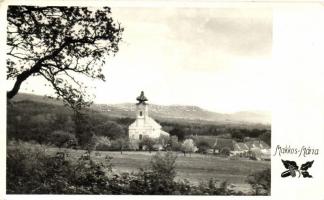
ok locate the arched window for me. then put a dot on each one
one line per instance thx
(141, 113)
(140, 136)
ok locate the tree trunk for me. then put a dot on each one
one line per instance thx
(16, 87)
(34, 69)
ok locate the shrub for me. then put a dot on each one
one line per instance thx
(158, 179)
(260, 182)
(28, 170)
(63, 139)
(174, 144)
(164, 164)
(119, 144)
(147, 143)
(103, 143)
(163, 172)
(31, 171)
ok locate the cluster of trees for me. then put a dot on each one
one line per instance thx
(237, 132)
(54, 124)
(41, 122)
(31, 171)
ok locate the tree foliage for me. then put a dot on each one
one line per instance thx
(83, 128)
(58, 43)
(119, 144)
(203, 146)
(148, 143)
(63, 139)
(103, 143)
(174, 144)
(188, 146)
(266, 137)
(260, 182)
(31, 171)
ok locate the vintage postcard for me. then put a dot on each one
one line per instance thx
(162, 98)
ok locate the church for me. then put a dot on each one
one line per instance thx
(144, 126)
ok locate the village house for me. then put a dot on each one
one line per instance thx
(259, 149)
(252, 148)
(240, 149)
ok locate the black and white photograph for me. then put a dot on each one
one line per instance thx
(138, 100)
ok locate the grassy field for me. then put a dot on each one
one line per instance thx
(196, 168)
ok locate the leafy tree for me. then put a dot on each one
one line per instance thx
(83, 128)
(174, 143)
(91, 145)
(109, 129)
(58, 43)
(63, 139)
(120, 144)
(237, 135)
(63, 121)
(188, 146)
(164, 141)
(103, 143)
(179, 132)
(266, 137)
(203, 146)
(148, 143)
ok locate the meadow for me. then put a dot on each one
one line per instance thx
(195, 168)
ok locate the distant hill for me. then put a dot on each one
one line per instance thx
(161, 112)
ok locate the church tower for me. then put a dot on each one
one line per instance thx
(141, 110)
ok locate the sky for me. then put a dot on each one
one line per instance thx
(215, 58)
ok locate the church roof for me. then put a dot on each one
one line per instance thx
(164, 133)
(149, 122)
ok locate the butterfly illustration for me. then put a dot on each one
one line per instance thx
(292, 168)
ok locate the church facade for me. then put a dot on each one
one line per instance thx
(144, 125)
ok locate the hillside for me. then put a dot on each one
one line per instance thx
(161, 112)
(179, 112)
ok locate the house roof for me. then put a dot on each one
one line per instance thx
(164, 133)
(257, 144)
(222, 143)
(149, 123)
(240, 146)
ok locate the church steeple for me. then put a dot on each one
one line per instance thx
(142, 107)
